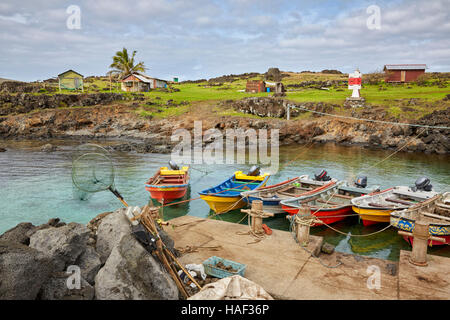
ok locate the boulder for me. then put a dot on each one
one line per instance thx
(109, 232)
(58, 288)
(64, 244)
(2, 150)
(273, 74)
(48, 148)
(89, 263)
(53, 222)
(327, 248)
(131, 273)
(23, 271)
(19, 233)
(374, 139)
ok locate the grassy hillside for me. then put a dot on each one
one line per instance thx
(182, 96)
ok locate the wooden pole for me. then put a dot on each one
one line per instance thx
(182, 268)
(303, 229)
(257, 206)
(420, 244)
(257, 214)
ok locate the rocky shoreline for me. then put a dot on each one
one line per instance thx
(140, 134)
(101, 260)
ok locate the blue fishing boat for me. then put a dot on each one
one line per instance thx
(227, 195)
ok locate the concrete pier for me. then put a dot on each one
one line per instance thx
(288, 271)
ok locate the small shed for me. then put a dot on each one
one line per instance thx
(403, 72)
(255, 86)
(70, 80)
(138, 82)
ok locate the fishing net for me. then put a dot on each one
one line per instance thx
(93, 171)
(80, 195)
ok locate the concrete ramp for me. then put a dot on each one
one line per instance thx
(281, 266)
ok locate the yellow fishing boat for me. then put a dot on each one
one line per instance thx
(227, 195)
(371, 216)
(377, 207)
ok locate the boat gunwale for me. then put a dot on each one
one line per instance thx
(327, 187)
(221, 193)
(253, 193)
(432, 202)
(366, 206)
(182, 184)
(165, 186)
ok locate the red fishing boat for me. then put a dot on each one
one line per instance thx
(329, 205)
(168, 184)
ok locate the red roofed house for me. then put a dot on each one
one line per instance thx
(403, 72)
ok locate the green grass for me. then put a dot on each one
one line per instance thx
(371, 93)
(394, 99)
(234, 113)
(191, 92)
(163, 112)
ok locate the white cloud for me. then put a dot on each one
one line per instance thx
(209, 38)
(18, 18)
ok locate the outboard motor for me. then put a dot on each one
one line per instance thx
(423, 184)
(254, 171)
(361, 182)
(173, 165)
(322, 176)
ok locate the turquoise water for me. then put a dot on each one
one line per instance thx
(36, 186)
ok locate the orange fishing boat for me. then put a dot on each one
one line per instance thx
(168, 184)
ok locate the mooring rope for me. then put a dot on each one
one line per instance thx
(393, 153)
(372, 120)
(291, 229)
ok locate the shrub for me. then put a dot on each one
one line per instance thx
(373, 78)
(423, 79)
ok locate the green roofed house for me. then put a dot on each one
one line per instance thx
(70, 80)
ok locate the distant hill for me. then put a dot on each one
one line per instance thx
(3, 80)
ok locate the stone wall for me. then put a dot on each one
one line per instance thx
(24, 103)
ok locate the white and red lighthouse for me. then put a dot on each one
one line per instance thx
(354, 83)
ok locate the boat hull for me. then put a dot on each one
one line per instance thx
(168, 185)
(372, 216)
(223, 204)
(227, 195)
(410, 240)
(271, 206)
(408, 225)
(327, 216)
(167, 193)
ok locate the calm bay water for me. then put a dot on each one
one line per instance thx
(36, 186)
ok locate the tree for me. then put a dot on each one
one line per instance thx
(123, 64)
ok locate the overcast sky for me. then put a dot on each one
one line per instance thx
(206, 38)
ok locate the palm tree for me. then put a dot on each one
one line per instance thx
(123, 64)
